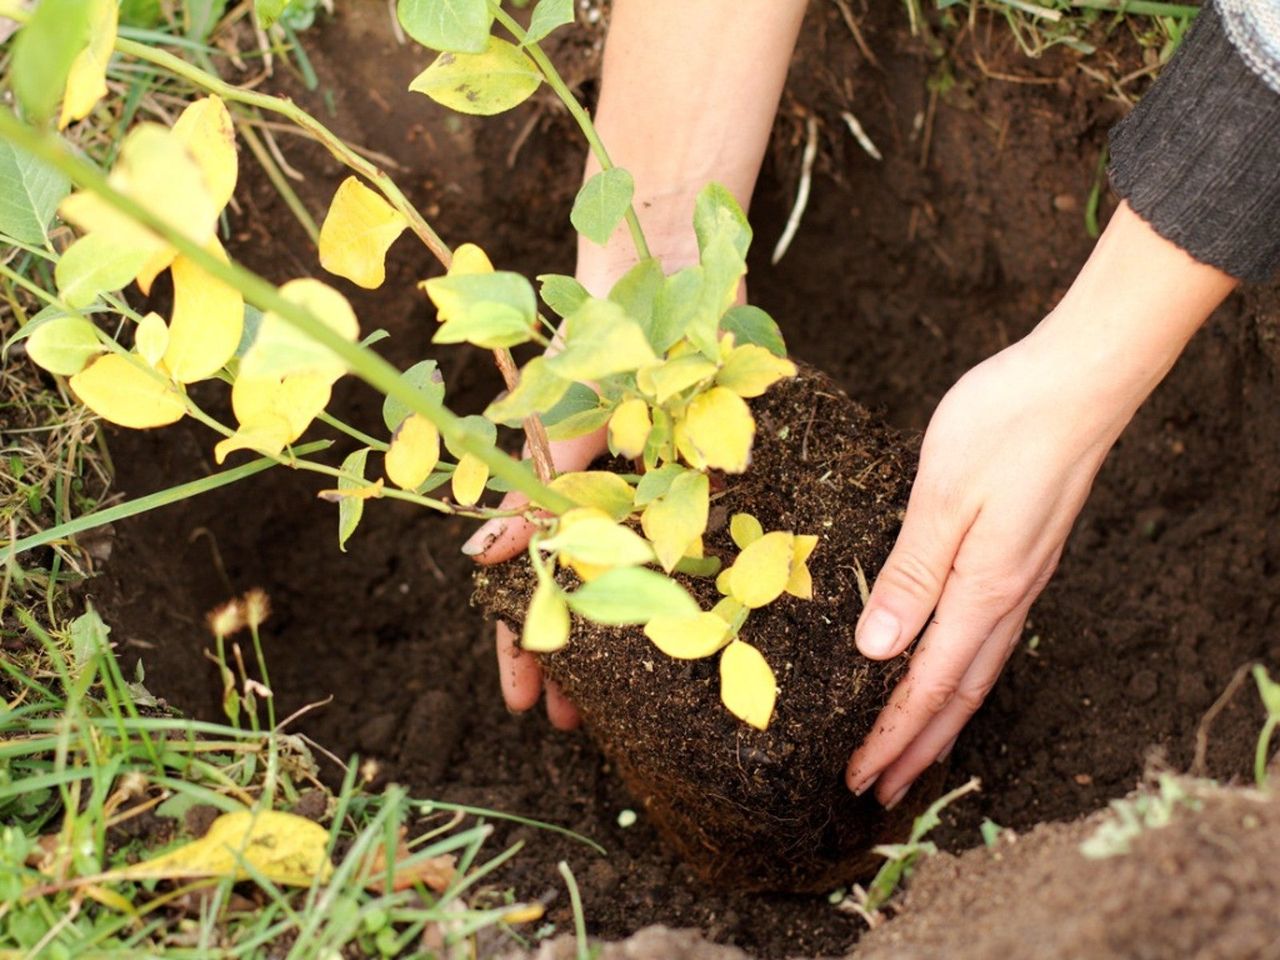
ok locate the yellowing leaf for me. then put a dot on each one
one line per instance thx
(155, 265)
(677, 519)
(280, 349)
(268, 436)
(631, 595)
(716, 431)
(750, 370)
(597, 488)
(546, 624)
(208, 319)
(662, 381)
(537, 392)
(762, 570)
(357, 232)
(469, 478)
(283, 847)
(688, 638)
(629, 427)
(745, 530)
(600, 340)
(95, 264)
(731, 612)
(206, 129)
(87, 81)
(800, 583)
(588, 535)
(156, 170)
(469, 258)
(747, 684)
(64, 345)
(368, 491)
(121, 390)
(151, 338)
(480, 83)
(414, 452)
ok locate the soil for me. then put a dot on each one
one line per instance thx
(904, 273)
(752, 809)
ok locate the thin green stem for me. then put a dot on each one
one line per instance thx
(366, 364)
(1145, 8)
(1263, 748)
(352, 432)
(280, 182)
(576, 110)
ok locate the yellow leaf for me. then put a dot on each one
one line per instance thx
(283, 847)
(745, 530)
(370, 491)
(590, 537)
(527, 913)
(469, 258)
(688, 638)
(280, 349)
(751, 370)
(664, 380)
(414, 452)
(723, 579)
(675, 520)
(762, 570)
(629, 427)
(110, 899)
(481, 84)
(155, 264)
(597, 488)
(747, 684)
(546, 624)
(716, 431)
(357, 232)
(208, 319)
(469, 478)
(151, 338)
(126, 393)
(730, 611)
(87, 80)
(296, 400)
(269, 436)
(155, 170)
(206, 129)
(800, 584)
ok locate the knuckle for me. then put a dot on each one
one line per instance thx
(911, 575)
(973, 696)
(935, 695)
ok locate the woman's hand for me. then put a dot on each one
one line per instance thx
(1006, 465)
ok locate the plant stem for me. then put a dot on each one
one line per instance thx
(280, 182)
(352, 432)
(363, 362)
(1264, 746)
(1146, 8)
(576, 110)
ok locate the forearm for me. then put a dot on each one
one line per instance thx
(688, 95)
(1130, 312)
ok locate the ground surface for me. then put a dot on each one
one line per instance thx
(904, 273)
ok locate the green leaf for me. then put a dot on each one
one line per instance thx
(637, 291)
(547, 16)
(750, 324)
(351, 509)
(30, 191)
(538, 390)
(674, 521)
(597, 488)
(425, 377)
(562, 294)
(268, 12)
(44, 51)
(202, 16)
(490, 310)
(493, 326)
(579, 424)
(601, 204)
(481, 84)
(579, 398)
(88, 637)
(722, 271)
(600, 341)
(717, 214)
(655, 483)
(64, 345)
(458, 26)
(631, 595)
(95, 264)
(478, 429)
(587, 535)
(674, 307)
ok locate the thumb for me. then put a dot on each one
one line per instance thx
(909, 585)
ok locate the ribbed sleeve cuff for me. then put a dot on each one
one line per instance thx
(1199, 157)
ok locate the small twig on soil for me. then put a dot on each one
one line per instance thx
(302, 711)
(864, 591)
(847, 15)
(802, 192)
(534, 116)
(396, 29)
(930, 112)
(860, 135)
(1198, 765)
(808, 429)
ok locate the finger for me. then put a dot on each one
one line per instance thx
(519, 673)
(967, 615)
(560, 710)
(909, 585)
(941, 733)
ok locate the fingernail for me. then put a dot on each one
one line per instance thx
(946, 751)
(877, 634)
(897, 797)
(483, 539)
(866, 785)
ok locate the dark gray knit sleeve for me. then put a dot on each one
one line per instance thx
(1199, 157)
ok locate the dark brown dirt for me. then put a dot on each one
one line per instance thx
(752, 809)
(903, 274)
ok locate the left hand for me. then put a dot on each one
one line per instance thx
(1006, 465)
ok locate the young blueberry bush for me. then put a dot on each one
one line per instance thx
(665, 363)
